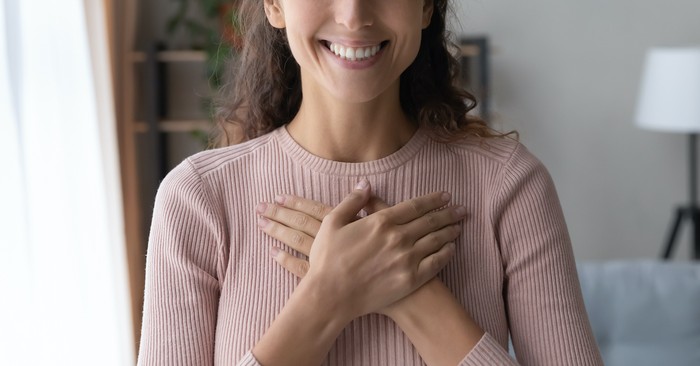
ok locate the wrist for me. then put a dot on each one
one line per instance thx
(305, 329)
(321, 296)
(437, 324)
(412, 304)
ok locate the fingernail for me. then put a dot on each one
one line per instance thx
(461, 210)
(262, 222)
(446, 197)
(261, 207)
(362, 184)
(279, 200)
(274, 251)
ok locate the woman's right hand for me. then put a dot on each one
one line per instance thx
(369, 263)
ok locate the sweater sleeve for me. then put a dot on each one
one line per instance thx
(183, 267)
(547, 318)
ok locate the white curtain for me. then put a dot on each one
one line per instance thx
(64, 296)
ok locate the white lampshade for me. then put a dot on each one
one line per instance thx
(669, 99)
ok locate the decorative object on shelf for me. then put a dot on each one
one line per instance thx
(214, 31)
(669, 100)
(217, 34)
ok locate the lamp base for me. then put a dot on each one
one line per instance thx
(682, 213)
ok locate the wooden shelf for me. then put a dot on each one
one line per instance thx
(172, 56)
(174, 126)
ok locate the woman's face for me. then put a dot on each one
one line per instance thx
(353, 49)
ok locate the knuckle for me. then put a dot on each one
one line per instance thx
(314, 227)
(301, 220)
(382, 219)
(434, 240)
(415, 206)
(283, 259)
(431, 221)
(317, 210)
(293, 202)
(274, 211)
(397, 237)
(273, 229)
(302, 267)
(297, 240)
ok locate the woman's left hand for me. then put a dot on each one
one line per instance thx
(295, 221)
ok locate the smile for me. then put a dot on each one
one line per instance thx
(353, 53)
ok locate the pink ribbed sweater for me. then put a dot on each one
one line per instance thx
(212, 288)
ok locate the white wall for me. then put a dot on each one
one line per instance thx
(565, 75)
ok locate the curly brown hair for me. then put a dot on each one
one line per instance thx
(263, 88)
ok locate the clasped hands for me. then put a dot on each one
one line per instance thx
(369, 264)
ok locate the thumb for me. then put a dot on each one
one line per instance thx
(348, 209)
(375, 204)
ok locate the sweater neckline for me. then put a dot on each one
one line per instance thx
(361, 169)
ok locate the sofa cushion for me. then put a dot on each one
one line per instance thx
(644, 312)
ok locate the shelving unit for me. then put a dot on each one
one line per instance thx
(143, 126)
(157, 61)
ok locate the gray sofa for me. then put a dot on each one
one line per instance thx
(644, 312)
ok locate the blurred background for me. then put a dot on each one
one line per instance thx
(566, 75)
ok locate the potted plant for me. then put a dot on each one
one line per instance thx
(214, 31)
(212, 26)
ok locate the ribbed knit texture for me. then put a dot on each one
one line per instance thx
(212, 288)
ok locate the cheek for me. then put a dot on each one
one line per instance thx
(300, 48)
(408, 49)
(300, 34)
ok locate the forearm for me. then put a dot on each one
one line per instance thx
(304, 331)
(436, 323)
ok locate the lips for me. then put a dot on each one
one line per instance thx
(350, 53)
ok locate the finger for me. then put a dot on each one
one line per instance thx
(412, 209)
(290, 218)
(295, 239)
(315, 209)
(375, 204)
(434, 263)
(299, 267)
(434, 221)
(434, 241)
(348, 209)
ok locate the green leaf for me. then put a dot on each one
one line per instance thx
(211, 7)
(176, 20)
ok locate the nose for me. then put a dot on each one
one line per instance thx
(354, 14)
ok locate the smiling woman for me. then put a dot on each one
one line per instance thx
(62, 266)
(368, 219)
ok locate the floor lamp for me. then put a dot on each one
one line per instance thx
(669, 100)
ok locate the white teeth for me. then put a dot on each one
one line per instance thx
(350, 53)
(353, 54)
